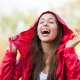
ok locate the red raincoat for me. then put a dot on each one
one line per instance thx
(68, 63)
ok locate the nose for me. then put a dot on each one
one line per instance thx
(45, 23)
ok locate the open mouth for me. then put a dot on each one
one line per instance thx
(45, 31)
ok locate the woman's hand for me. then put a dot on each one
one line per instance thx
(75, 41)
(77, 36)
(13, 37)
(12, 46)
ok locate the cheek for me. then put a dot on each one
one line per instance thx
(38, 30)
(54, 32)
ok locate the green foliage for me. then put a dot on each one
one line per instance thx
(71, 13)
(9, 23)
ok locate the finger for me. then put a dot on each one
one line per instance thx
(73, 34)
(10, 38)
(77, 30)
(13, 37)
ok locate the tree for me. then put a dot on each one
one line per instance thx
(9, 23)
(71, 13)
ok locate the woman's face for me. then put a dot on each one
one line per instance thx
(47, 28)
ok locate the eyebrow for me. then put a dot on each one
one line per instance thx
(43, 18)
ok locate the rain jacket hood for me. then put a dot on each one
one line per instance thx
(26, 36)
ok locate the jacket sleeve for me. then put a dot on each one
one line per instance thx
(72, 64)
(10, 69)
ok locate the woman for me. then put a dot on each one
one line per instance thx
(46, 50)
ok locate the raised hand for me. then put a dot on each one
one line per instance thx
(13, 37)
(12, 46)
(77, 36)
(75, 41)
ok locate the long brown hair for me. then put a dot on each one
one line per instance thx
(38, 60)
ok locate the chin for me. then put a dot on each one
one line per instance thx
(47, 41)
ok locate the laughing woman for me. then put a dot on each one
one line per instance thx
(46, 52)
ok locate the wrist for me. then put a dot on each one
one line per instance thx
(72, 43)
(77, 41)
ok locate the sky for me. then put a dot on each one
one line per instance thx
(7, 6)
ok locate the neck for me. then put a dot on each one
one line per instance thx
(46, 48)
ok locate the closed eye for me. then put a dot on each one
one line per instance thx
(41, 22)
(51, 22)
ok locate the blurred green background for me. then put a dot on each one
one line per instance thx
(19, 19)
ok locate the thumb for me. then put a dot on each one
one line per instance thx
(12, 47)
(73, 34)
